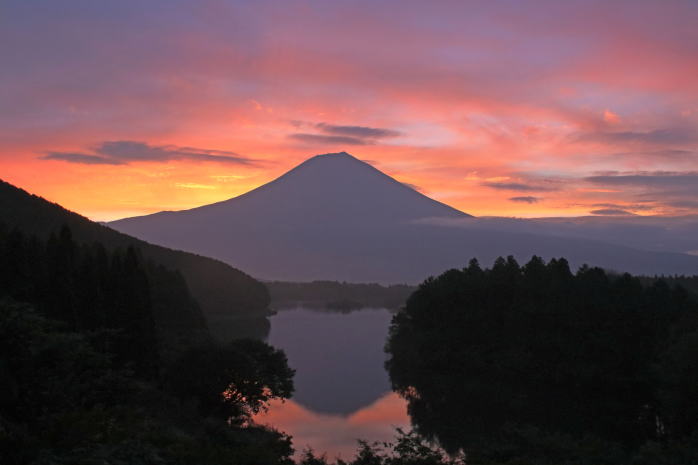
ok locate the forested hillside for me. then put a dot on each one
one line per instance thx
(139, 307)
(219, 289)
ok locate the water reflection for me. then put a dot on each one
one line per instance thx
(337, 435)
(342, 390)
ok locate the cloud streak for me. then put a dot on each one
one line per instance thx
(633, 207)
(611, 212)
(327, 140)
(525, 199)
(671, 136)
(363, 132)
(649, 190)
(519, 186)
(333, 134)
(82, 158)
(652, 180)
(125, 152)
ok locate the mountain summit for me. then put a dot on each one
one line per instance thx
(338, 187)
(334, 188)
(337, 217)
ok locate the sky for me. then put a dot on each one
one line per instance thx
(506, 108)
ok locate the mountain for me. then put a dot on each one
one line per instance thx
(220, 290)
(336, 217)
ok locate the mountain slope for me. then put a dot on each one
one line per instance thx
(334, 187)
(336, 217)
(219, 289)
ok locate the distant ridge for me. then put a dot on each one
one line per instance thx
(334, 217)
(219, 289)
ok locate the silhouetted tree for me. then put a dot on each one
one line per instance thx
(565, 365)
(233, 381)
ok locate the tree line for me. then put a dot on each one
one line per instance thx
(535, 364)
(338, 296)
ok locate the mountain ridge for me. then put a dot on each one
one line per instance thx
(334, 217)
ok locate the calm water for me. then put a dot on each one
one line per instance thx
(342, 390)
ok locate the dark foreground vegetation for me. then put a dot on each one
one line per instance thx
(338, 296)
(537, 365)
(407, 449)
(105, 359)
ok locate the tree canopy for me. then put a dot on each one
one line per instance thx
(86, 376)
(536, 362)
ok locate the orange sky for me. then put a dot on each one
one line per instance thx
(552, 109)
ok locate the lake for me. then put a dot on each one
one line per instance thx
(342, 390)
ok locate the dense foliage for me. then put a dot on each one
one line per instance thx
(407, 449)
(89, 372)
(65, 402)
(338, 296)
(536, 365)
(690, 283)
(232, 381)
(218, 288)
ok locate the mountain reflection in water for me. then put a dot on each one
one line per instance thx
(337, 435)
(342, 390)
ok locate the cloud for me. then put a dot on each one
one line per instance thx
(660, 154)
(650, 190)
(611, 117)
(82, 158)
(525, 199)
(343, 135)
(652, 179)
(675, 135)
(357, 131)
(124, 152)
(322, 139)
(611, 212)
(519, 186)
(640, 207)
(683, 203)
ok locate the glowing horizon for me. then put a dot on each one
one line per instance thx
(508, 109)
